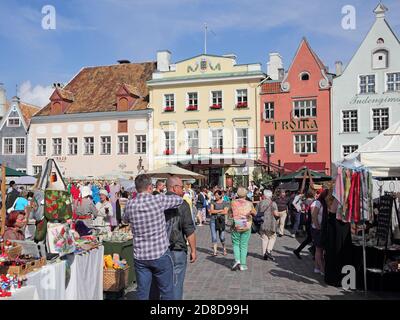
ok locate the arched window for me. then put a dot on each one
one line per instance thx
(304, 76)
(380, 41)
(380, 59)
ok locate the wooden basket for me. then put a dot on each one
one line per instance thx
(28, 267)
(115, 280)
(14, 252)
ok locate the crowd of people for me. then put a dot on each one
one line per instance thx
(164, 218)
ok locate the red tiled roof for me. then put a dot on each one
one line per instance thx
(27, 110)
(271, 87)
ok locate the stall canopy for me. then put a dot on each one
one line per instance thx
(381, 155)
(299, 175)
(116, 175)
(14, 173)
(173, 170)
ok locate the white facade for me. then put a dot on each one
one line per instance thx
(366, 96)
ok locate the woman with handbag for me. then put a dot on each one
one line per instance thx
(242, 212)
(218, 211)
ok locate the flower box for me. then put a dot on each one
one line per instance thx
(168, 109)
(191, 108)
(168, 152)
(241, 105)
(242, 150)
(216, 150)
(192, 151)
(216, 106)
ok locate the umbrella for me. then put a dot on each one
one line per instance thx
(173, 170)
(299, 175)
(128, 185)
(115, 175)
(24, 180)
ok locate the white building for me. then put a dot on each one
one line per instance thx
(366, 96)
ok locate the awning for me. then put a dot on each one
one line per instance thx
(294, 166)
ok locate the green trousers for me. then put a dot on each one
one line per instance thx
(240, 243)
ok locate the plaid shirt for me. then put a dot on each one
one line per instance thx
(146, 216)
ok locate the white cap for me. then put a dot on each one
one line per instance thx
(86, 191)
(104, 192)
(268, 193)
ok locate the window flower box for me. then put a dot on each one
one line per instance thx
(168, 109)
(192, 151)
(240, 105)
(191, 108)
(216, 106)
(216, 150)
(242, 150)
(168, 152)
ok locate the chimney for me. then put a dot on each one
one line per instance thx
(339, 67)
(3, 101)
(273, 65)
(163, 60)
(281, 74)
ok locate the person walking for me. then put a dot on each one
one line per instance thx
(310, 198)
(269, 210)
(181, 230)
(297, 207)
(218, 211)
(242, 212)
(201, 205)
(282, 201)
(318, 210)
(152, 256)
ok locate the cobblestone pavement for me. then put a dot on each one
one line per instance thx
(286, 278)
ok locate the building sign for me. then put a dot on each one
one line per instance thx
(298, 124)
(58, 159)
(357, 100)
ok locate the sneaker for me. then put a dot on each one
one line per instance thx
(280, 235)
(235, 266)
(317, 270)
(293, 235)
(266, 257)
(297, 254)
(243, 268)
(270, 256)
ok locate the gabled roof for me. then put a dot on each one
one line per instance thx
(26, 110)
(94, 89)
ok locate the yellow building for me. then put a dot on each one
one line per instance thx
(206, 115)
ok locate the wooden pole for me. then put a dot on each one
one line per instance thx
(3, 197)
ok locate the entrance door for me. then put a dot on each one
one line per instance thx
(215, 177)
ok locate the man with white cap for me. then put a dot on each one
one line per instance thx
(268, 228)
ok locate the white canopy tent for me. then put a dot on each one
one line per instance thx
(173, 170)
(382, 154)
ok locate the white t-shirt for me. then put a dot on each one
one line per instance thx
(317, 204)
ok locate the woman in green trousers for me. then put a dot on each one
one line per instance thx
(242, 212)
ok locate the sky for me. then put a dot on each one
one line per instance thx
(100, 32)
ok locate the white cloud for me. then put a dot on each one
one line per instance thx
(38, 95)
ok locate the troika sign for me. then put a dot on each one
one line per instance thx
(375, 100)
(298, 124)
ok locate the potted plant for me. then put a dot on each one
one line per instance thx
(191, 107)
(242, 150)
(216, 150)
(189, 151)
(216, 106)
(168, 109)
(168, 152)
(241, 105)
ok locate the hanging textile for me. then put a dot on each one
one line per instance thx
(347, 187)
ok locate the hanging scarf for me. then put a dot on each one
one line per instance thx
(347, 187)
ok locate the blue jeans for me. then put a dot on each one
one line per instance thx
(162, 271)
(214, 232)
(297, 218)
(180, 263)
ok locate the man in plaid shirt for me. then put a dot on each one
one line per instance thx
(146, 216)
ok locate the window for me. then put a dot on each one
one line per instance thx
(349, 149)
(72, 146)
(37, 170)
(41, 147)
(216, 99)
(57, 146)
(169, 102)
(193, 142)
(380, 59)
(380, 41)
(305, 108)
(304, 76)
(380, 119)
(350, 121)
(8, 146)
(367, 84)
(19, 145)
(13, 122)
(217, 141)
(305, 143)
(23, 170)
(141, 144)
(269, 143)
(242, 140)
(269, 110)
(105, 145)
(169, 142)
(393, 81)
(88, 145)
(192, 100)
(122, 126)
(241, 96)
(123, 145)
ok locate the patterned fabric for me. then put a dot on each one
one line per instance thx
(241, 210)
(146, 217)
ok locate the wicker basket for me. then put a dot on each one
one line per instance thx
(14, 252)
(115, 280)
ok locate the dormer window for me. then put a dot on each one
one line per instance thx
(13, 122)
(304, 76)
(380, 59)
(380, 41)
